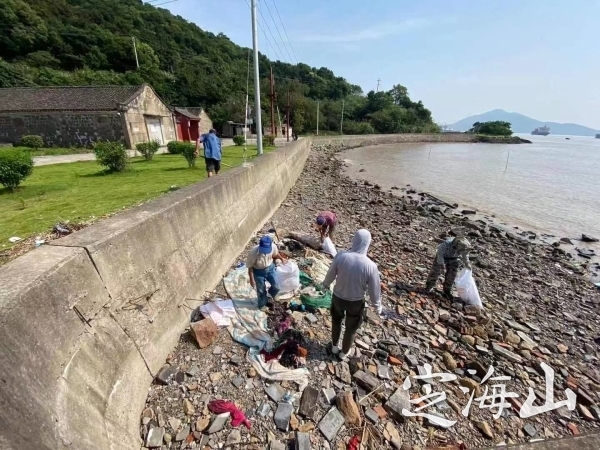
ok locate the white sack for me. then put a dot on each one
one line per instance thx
(288, 277)
(467, 289)
(328, 247)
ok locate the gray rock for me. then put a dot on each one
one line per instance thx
(308, 402)
(329, 395)
(155, 437)
(264, 409)
(412, 360)
(331, 423)
(174, 423)
(282, 416)
(342, 371)
(235, 437)
(276, 445)
(217, 350)
(366, 380)
(236, 360)
(166, 372)
(372, 415)
(237, 382)
(311, 318)
(275, 392)
(302, 441)
(193, 370)
(383, 371)
(183, 433)
(507, 354)
(218, 423)
(397, 402)
(530, 430)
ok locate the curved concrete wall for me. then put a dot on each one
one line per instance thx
(86, 323)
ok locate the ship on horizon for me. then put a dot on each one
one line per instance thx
(541, 131)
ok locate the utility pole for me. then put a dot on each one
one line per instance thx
(318, 117)
(342, 121)
(287, 130)
(378, 81)
(258, 121)
(137, 63)
(272, 95)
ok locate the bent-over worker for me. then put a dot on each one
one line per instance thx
(447, 256)
(326, 222)
(261, 269)
(212, 151)
(355, 274)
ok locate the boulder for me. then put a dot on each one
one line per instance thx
(205, 332)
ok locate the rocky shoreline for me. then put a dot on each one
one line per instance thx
(537, 310)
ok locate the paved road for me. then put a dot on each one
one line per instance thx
(60, 159)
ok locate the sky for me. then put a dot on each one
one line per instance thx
(460, 57)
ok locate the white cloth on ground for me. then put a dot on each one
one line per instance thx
(220, 311)
(249, 327)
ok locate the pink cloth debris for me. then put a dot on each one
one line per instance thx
(237, 416)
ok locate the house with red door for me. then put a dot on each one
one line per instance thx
(191, 123)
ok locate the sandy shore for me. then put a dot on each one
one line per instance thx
(537, 310)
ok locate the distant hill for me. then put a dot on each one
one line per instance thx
(523, 124)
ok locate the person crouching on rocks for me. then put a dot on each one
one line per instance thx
(447, 256)
(261, 268)
(326, 222)
(355, 274)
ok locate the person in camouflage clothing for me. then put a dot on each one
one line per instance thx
(449, 255)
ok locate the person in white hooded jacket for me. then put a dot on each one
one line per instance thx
(355, 275)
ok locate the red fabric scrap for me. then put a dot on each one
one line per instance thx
(237, 416)
(354, 443)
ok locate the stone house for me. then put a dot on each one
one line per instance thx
(78, 115)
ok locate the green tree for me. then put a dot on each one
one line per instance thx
(492, 128)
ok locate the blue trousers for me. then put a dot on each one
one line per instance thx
(260, 276)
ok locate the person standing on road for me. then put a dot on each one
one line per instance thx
(326, 222)
(261, 268)
(355, 274)
(447, 256)
(212, 151)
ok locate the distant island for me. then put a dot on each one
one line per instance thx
(523, 124)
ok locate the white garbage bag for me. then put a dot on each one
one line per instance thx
(467, 289)
(328, 247)
(288, 277)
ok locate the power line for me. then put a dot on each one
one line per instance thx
(272, 35)
(278, 32)
(265, 33)
(285, 31)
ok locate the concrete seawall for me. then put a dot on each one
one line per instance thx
(375, 139)
(87, 322)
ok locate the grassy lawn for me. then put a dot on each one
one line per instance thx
(81, 191)
(50, 151)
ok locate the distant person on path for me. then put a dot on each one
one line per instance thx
(326, 222)
(212, 151)
(447, 256)
(355, 274)
(261, 268)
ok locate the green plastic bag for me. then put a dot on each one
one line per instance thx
(305, 280)
(322, 301)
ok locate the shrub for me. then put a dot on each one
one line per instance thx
(352, 127)
(269, 140)
(15, 166)
(174, 147)
(239, 139)
(188, 150)
(148, 149)
(112, 155)
(32, 141)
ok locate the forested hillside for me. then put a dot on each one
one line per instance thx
(85, 42)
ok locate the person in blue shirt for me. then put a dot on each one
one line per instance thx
(212, 151)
